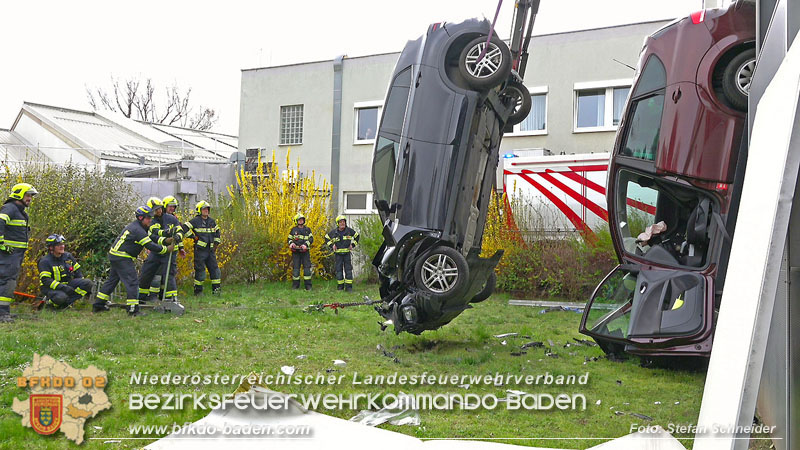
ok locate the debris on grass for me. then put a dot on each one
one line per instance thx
(505, 335)
(302, 356)
(464, 386)
(399, 412)
(196, 320)
(503, 342)
(637, 415)
(518, 353)
(287, 370)
(339, 362)
(535, 344)
(598, 402)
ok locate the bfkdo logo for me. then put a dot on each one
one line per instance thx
(46, 413)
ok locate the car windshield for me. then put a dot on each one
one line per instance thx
(662, 222)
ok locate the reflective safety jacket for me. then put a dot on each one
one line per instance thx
(166, 226)
(206, 232)
(133, 238)
(342, 239)
(301, 236)
(14, 227)
(57, 272)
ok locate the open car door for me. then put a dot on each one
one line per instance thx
(651, 312)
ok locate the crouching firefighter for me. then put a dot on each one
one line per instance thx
(205, 232)
(165, 229)
(342, 240)
(14, 231)
(122, 256)
(60, 275)
(300, 240)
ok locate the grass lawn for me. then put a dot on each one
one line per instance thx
(260, 328)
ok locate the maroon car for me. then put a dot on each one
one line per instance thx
(672, 198)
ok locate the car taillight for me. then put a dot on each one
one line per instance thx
(722, 187)
(698, 17)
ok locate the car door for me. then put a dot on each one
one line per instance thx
(650, 307)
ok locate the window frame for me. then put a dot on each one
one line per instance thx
(302, 125)
(608, 116)
(534, 90)
(366, 105)
(370, 201)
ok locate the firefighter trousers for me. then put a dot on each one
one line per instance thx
(298, 259)
(10, 264)
(343, 268)
(82, 286)
(122, 269)
(156, 265)
(205, 258)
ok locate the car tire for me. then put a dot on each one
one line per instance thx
(520, 96)
(487, 290)
(736, 78)
(493, 69)
(442, 271)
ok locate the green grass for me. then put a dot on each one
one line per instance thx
(260, 328)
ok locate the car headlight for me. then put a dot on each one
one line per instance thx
(409, 314)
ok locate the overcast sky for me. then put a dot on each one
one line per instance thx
(53, 49)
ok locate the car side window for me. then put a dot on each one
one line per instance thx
(644, 118)
(383, 167)
(396, 102)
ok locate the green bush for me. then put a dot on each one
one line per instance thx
(88, 207)
(370, 229)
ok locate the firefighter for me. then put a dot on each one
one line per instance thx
(60, 275)
(342, 240)
(14, 231)
(205, 232)
(162, 227)
(122, 255)
(300, 240)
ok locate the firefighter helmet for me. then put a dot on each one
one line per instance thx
(202, 204)
(170, 200)
(55, 239)
(297, 218)
(144, 211)
(154, 203)
(340, 217)
(20, 189)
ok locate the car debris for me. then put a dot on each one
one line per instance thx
(505, 335)
(534, 344)
(339, 362)
(287, 370)
(399, 412)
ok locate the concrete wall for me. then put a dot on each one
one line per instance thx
(190, 182)
(264, 91)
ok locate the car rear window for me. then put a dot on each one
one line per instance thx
(653, 77)
(644, 117)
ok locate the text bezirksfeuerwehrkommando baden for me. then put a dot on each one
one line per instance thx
(357, 379)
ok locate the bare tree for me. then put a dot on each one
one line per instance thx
(136, 99)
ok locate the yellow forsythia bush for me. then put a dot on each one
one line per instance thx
(257, 216)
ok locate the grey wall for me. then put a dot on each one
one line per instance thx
(264, 91)
(191, 182)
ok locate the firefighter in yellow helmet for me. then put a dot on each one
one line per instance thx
(206, 234)
(13, 243)
(300, 240)
(342, 240)
(164, 228)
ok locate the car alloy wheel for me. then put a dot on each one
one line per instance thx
(744, 75)
(488, 65)
(439, 273)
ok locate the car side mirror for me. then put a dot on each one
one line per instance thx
(395, 207)
(382, 205)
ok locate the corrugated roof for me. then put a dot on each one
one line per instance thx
(119, 139)
(14, 147)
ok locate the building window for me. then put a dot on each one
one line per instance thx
(536, 122)
(599, 105)
(367, 115)
(358, 203)
(291, 125)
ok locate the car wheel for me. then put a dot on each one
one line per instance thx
(442, 271)
(487, 290)
(736, 78)
(519, 95)
(491, 70)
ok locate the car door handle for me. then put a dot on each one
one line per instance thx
(676, 95)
